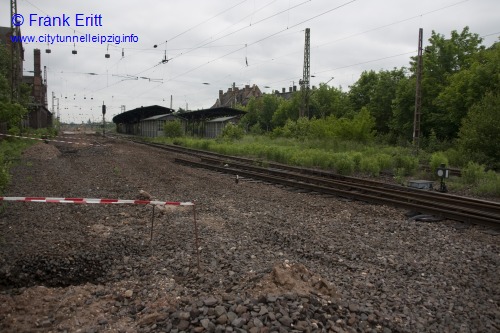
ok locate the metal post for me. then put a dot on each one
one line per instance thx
(152, 224)
(196, 236)
(306, 76)
(418, 96)
(103, 119)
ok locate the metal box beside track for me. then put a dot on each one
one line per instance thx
(421, 184)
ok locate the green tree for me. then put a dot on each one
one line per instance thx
(479, 135)
(287, 110)
(376, 92)
(251, 118)
(403, 108)
(468, 86)
(441, 59)
(269, 105)
(326, 101)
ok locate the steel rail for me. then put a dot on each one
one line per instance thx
(482, 206)
(375, 196)
(445, 205)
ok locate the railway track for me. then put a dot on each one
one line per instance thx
(426, 202)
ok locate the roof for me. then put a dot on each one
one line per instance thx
(221, 119)
(160, 116)
(138, 114)
(211, 113)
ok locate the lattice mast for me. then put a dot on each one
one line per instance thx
(418, 95)
(306, 75)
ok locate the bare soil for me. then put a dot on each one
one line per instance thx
(271, 259)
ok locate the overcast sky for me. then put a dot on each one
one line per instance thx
(211, 44)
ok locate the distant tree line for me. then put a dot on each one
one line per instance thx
(460, 103)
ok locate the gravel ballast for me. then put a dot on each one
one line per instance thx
(271, 259)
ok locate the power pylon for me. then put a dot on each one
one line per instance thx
(306, 76)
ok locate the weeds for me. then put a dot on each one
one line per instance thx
(345, 157)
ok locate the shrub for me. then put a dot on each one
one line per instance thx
(437, 159)
(343, 164)
(385, 161)
(399, 175)
(370, 165)
(357, 158)
(489, 184)
(456, 157)
(232, 132)
(472, 173)
(173, 129)
(408, 163)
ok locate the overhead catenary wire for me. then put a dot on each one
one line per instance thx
(251, 60)
(267, 37)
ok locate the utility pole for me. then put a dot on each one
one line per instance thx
(306, 77)
(44, 89)
(14, 52)
(233, 102)
(418, 96)
(103, 119)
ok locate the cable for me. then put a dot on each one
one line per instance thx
(182, 33)
(267, 37)
(391, 24)
(243, 28)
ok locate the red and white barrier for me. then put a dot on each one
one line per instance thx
(96, 201)
(32, 138)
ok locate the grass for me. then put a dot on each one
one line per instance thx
(10, 150)
(344, 157)
(348, 157)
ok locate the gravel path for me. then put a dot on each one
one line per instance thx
(272, 260)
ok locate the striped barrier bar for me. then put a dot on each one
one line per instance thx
(96, 201)
(39, 139)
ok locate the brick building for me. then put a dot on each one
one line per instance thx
(235, 96)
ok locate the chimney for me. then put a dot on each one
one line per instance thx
(37, 78)
(37, 61)
(294, 88)
(247, 86)
(283, 90)
(290, 89)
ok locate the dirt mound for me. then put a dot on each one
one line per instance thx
(293, 278)
(42, 151)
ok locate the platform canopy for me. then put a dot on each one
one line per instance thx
(210, 113)
(138, 114)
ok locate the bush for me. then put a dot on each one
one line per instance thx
(456, 157)
(385, 161)
(173, 129)
(232, 132)
(408, 163)
(399, 175)
(437, 159)
(472, 173)
(370, 165)
(343, 164)
(489, 184)
(357, 158)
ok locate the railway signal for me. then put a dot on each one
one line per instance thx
(443, 173)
